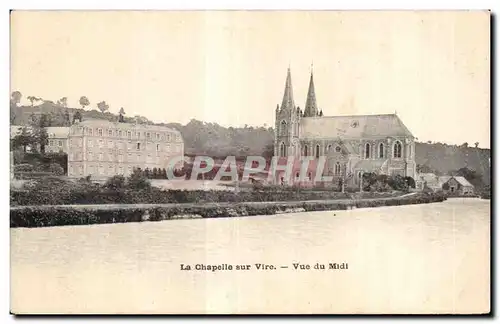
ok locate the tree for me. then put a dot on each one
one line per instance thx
(32, 99)
(103, 106)
(121, 113)
(67, 121)
(63, 102)
(77, 116)
(476, 144)
(446, 186)
(137, 180)
(464, 145)
(15, 98)
(24, 139)
(84, 102)
(155, 173)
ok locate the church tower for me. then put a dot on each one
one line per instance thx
(286, 135)
(311, 109)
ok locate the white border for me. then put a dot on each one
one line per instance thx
(494, 5)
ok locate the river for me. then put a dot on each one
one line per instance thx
(432, 258)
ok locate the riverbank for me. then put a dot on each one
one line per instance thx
(60, 215)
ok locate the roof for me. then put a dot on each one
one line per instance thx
(427, 177)
(115, 124)
(353, 127)
(463, 181)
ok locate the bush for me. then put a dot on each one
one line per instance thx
(138, 180)
(24, 167)
(56, 169)
(116, 182)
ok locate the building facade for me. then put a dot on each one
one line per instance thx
(351, 145)
(57, 138)
(102, 149)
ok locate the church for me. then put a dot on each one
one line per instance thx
(351, 145)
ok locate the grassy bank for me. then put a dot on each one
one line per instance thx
(41, 216)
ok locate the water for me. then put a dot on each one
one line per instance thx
(406, 259)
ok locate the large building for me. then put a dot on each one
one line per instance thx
(351, 145)
(101, 148)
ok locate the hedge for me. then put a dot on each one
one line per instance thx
(41, 216)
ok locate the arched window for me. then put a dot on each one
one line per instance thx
(329, 147)
(367, 151)
(397, 149)
(337, 168)
(317, 151)
(381, 151)
(282, 149)
(305, 150)
(283, 129)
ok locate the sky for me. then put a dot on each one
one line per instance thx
(229, 67)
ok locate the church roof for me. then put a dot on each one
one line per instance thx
(311, 109)
(353, 127)
(288, 94)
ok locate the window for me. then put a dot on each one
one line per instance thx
(381, 151)
(310, 176)
(138, 158)
(282, 149)
(317, 151)
(70, 169)
(91, 169)
(337, 168)
(338, 149)
(110, 132)
(397, 149)
(157, 147)
(99, 132)
(305, 150)
(129, 135)
(329, 147)
(101, 143)
(130, 157)
(80, 169)
(138, 146)
(120, 170)
(167, 148)
(89, 156)
(51, 142)
(70, 142)
(110, 144)
(157, 136)
(71, 156)
(367, 151)
(89, 143)
(101, 169)
(110, 169)
(138, 134)
(296, 176)
(100, 156)
(120, 158)
(148, 136)
(283, 128)
(169, 138)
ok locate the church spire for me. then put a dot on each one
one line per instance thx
(288, 102)
(311, 110)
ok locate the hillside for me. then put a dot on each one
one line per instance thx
(215, 140)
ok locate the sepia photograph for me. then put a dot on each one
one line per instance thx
(250, 162)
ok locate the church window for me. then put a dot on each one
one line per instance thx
(337, 149)
(397, 149)
(337, 168)
(305, 150)
(381, 151)
(317, 151)
(282, 149)
(367, 151)
(310, 176)
(329, 147)
(297, 176)
(283, 129)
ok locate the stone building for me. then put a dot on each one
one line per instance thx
(57, 137)
(351, 144)
(101, 148)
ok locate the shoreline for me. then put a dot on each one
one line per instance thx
(61, 215)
